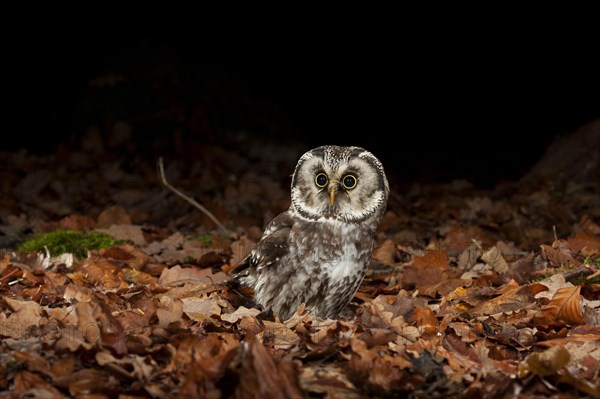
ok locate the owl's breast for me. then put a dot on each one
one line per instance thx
(334, 249)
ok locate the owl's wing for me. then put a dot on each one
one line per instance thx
(272, 246)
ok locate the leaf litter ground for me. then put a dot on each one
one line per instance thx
(471, 293)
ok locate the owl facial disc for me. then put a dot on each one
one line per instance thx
(343, 183)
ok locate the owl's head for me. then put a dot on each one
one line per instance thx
(345, 183)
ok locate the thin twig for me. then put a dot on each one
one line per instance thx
(163, 178)
(581, 271)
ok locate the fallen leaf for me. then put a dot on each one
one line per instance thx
(127, 255)
(88, 381)
(113, 215)
(193, 275)
(468, 257)
(426, 321)
(564, 308)
(169, 311)
(239, 313)
(515, 298)
(27, 384)
(437, 258)
(328, 380)
(585, 244)
(558, 258)
(25, 318)
(263, 377)
(126, 232)
(390, 316)
(132, 366)
(200, 361)
(279, 335)
(200, 308)
(494, 258)
(385, 253)
(77, 223)
(545, 363)
(77, 293)
(375, 367)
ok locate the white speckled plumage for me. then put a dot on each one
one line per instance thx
(317, 252)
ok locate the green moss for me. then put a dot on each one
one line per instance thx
(584, 280)
(69, 241)
(206, 239)
(592, 262)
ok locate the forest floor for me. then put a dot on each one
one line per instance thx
(471, 292)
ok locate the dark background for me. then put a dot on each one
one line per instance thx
(432, 108)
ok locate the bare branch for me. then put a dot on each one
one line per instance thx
(163, 178)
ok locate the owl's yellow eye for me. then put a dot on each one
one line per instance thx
(321, 180)
(349, 182)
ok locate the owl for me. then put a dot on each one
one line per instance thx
(317, 252)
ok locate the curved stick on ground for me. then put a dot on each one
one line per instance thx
(163, 178)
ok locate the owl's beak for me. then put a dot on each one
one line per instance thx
(332, 192)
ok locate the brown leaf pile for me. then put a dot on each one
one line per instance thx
(470, 294)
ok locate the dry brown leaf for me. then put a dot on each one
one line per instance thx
(112, 332)
(564, 308)
(88, 381)
(77, 223)
(25, 318)
(177, 275)
(200, 361)
(329, 380)
(545, 363)
(426, 272)
(137, 277)
(389, 312)
(200, 308)
(465, 331)
(27, 384)
(132, 366)
(558, 258)
(263, 377)
(459, 361)
(77, 293)
(239, 313)
(585, 244)
(113, 215)
(280, 336)
(375, 366)
(126, 232)
(444, 287)
(138, 311)
(578, 338)
(588, 225)
(521, 297)
(469, 256)
(102, 272)
(174, 241)
(436, 258)
(328, 332)
(426, 321)
(461, 237)
(494, 258)
(128, 255)
(34, 362)
(169, 311)
(385, 253)
(87, 324)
